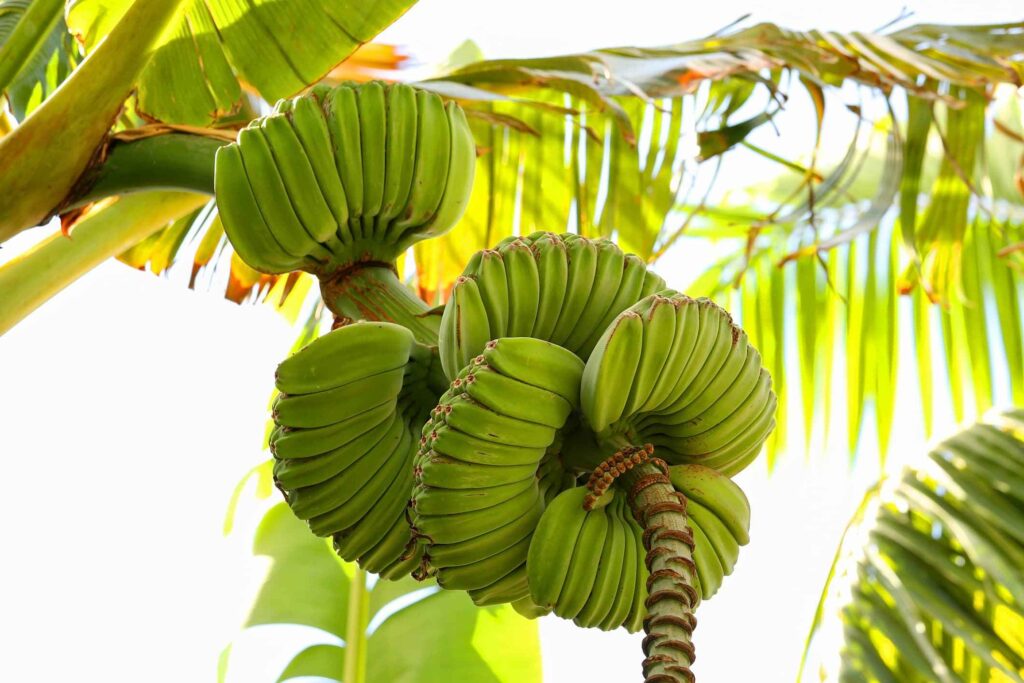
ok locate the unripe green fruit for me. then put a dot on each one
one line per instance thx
(342, 175)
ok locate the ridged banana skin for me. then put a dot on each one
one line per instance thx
(586, 558)
(516, 399)
(440, 471)
(385, 558)
(474, 450)
(718, 493)
(306, 443)
(470, 417)
(523, 288)
(464, 326)
(322, 497)
(553, 270)
(687, 328)
(462, 526)
(372, 526)
(609, 571)
(611, 265)
(428, 500)
(400, 159)
(484, 572)
(269, 190)
(459, 183)
(365, 482)
(300, 472)
(335, 405)
(243, 221)
(485, 545)
(551, 550)
(582, 255)
(709, 569)
(509, 588)
(370, 99)
(730, 388)
(638, 611)
(300, 183)
(659, 336)
(308, 120)
(731, 458)
(610, 370)
(491, 280)
(725, 547)
(433, 154)
(726, 356)
(342, 115)
(537, 362)
(627, 294)
(618, 613)
(327, 362)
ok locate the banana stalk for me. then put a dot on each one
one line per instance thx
(372, 291)
(672, 596)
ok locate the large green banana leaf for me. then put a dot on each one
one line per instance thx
(274, 47)
(931, 579)
(415, 633)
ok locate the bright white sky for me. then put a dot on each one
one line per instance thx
(132, 406)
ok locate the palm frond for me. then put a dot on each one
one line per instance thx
(935, 592)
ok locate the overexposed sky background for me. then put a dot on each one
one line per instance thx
(131, 406)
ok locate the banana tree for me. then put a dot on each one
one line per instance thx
(623, 143)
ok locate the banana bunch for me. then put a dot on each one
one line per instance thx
(485, 466)
(677, 373)
(345, 174)
(588, 565)
(347, 418)
(565, 289)
(719, 517)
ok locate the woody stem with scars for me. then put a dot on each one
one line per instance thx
(672, 595)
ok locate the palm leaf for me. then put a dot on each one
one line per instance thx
(935, 592)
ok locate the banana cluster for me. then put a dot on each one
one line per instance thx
(719, 516)
(565, 289)
(346, 420)
(588, 565)
(485, 468)
(677, 373)
(344, 174)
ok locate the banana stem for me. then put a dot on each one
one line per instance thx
(355, 628)
(171, 161)
(372, 291)
(672, 597)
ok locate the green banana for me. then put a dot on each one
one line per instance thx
(323, 363)
(340, 403)
(659, 334)
(611, 265)
(310, 125)
(468, 448)
(373, 124)
(468, 416)
(627, 587)
(448, 473)
(553, 272)
(498, 539)
(491, 280)
(723, 545)
(687, 328)
(293, 474)
(709, 569)
(716, 492)
(462, 526)
(523, 288)
(609, 572)
(509, 588)
(583, 566)
(539, 363)
(481, 573)
(627, 293)
(305, 443)
(428, 500)
(551, 550)
(400, 154)
(516, 399)
(579, 287)
(343, 124)
(243, 221)
(464, 327)
(610, 369)
(433, 156)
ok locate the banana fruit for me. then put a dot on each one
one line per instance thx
(676, 372)
(565, 289)
(587, 565)
(345, 174)
(484, 470)
(345, 437)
